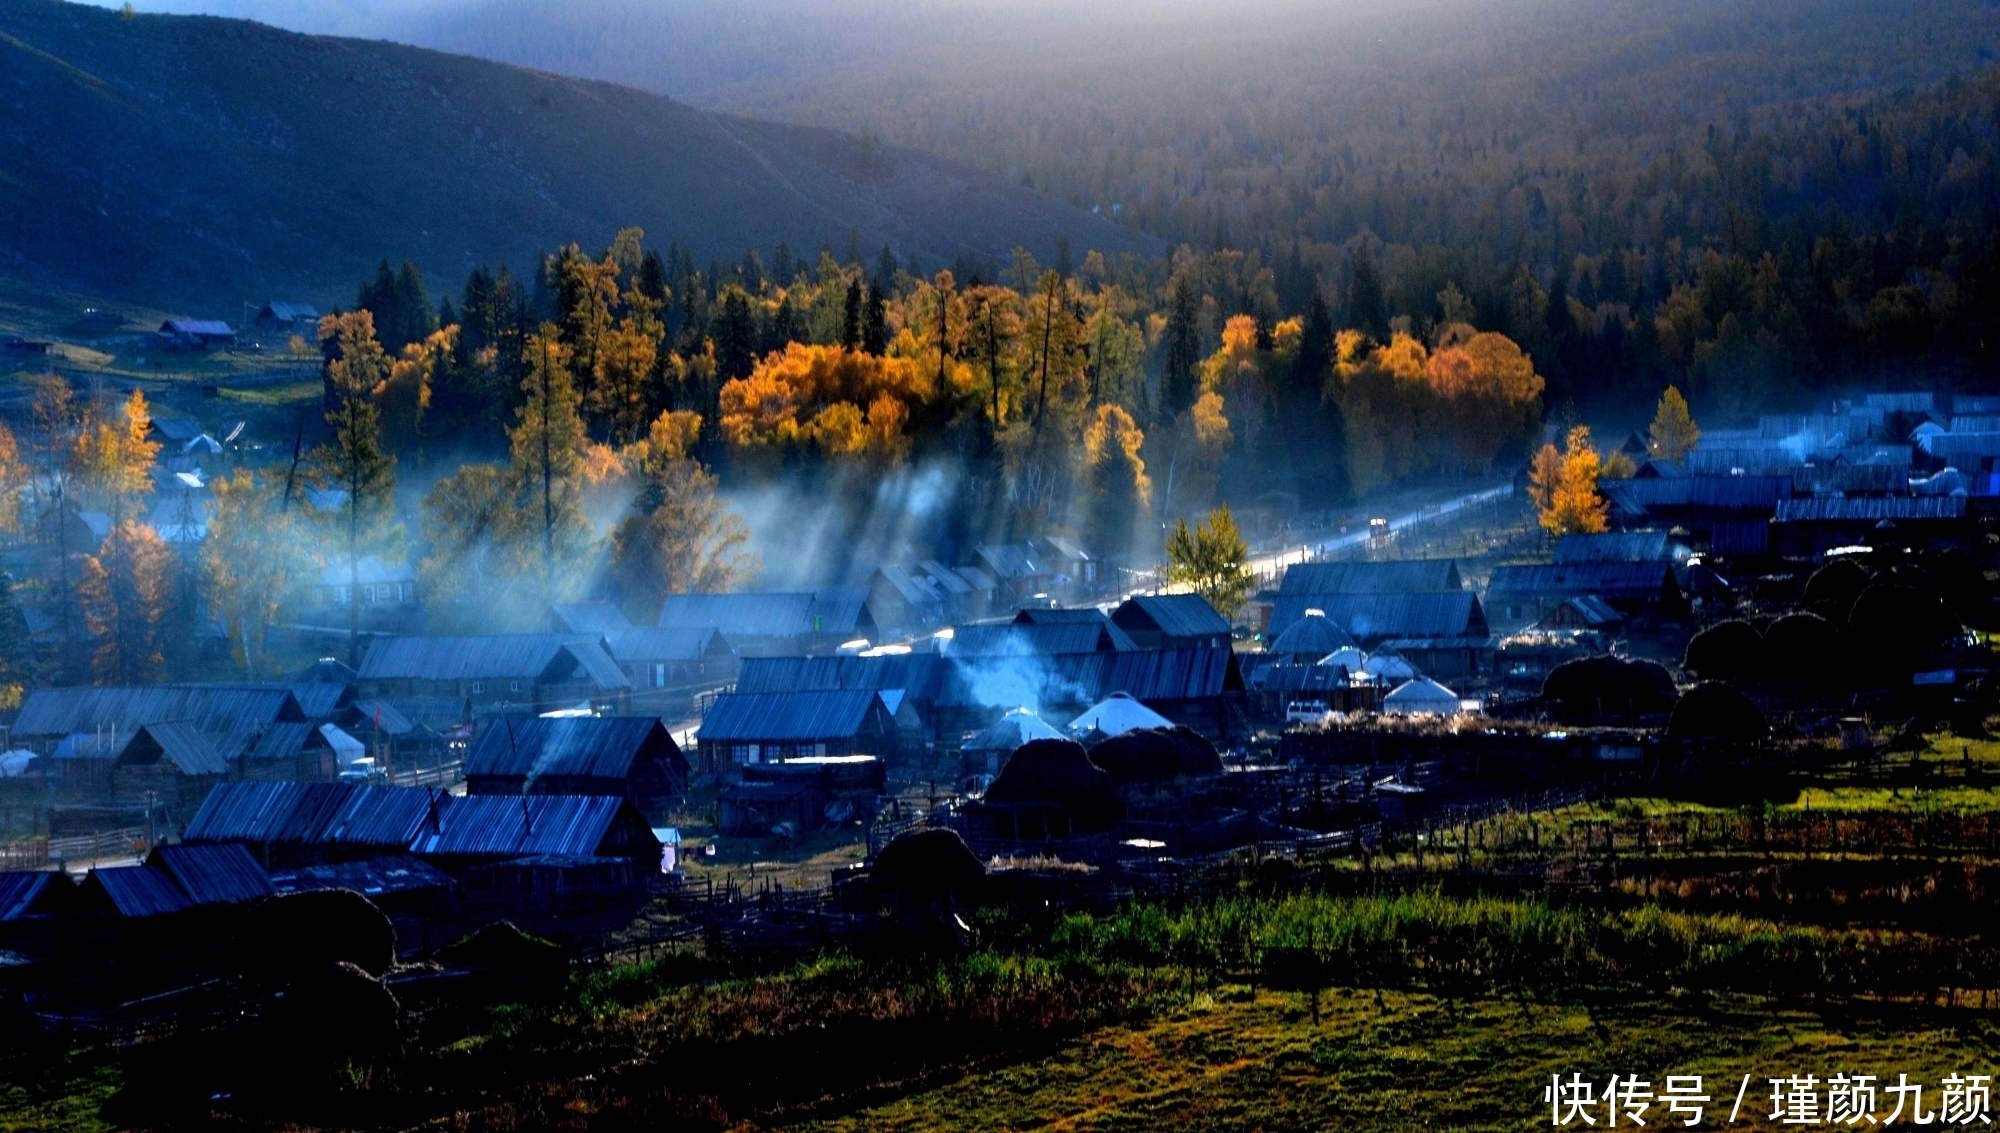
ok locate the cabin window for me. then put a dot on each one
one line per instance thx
(342, 595)
(659, 674)
(513, 686)
(478, 687)
(406, 591)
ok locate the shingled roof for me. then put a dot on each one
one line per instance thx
(917, 674)
(1173, 615)
(1062, 636)
(513, 826)
(1615, 547)
(1410, 576)
(178, 742)
(232, 716)
(212, 874)
(307, 814)
(1700, 492)
(392, 820)
(648, 643)
(790, 717)
(1859, 508)
(599, 747)
(1606, 580)
(1438, 615)
(496, 656)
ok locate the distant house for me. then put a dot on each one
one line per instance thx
(174, 879)
(411, 731)
(1373, 618)
(173, 431)
(385, 590)
(1024, 638)
(164, 765)
(1021, 570)
(744, 728)
(1583, 614)
(534, 672)
(1171, 621)
(1520, 595)
(1618, 547)
(1074, 567)
(800, 795)
(669, 658)
(633, 757)
(281, 316)
(1410, 576)
(286, 825)
(1815, 526)
(231, 717)
(496, 829)
(770, 624)
(290, 825)
(968, 593)
(196, 334)
(905, 599)
(1728, 514)
(1443, 631)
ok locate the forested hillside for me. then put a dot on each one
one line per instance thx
(1756, 201)
(181, 161)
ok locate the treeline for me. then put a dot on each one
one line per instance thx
(1102, 398)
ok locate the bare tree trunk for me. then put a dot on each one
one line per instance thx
(548, 490)
(1048, 331)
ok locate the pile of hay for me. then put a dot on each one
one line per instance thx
(1608, 687)
(1058, 774)
(1146, 755)
(928, 866)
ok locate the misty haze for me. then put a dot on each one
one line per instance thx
(957, 565)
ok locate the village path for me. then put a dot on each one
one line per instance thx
(1271, 563)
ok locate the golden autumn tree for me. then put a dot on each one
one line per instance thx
(630, 353)
(14, 480)
(549, 447)
(841, 402)
(356, 463)
(404, 395)
(112, 455)
(586, 297)
(1574, 504)
(123, 595)
(1119, 492)
(680, 539)
(1238, 372)
(1673, 433)
(258, 563)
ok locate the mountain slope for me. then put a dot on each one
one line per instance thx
(186, 160)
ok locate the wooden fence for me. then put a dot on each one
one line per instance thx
(42, 853)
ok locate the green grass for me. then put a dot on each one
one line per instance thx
(67, 1101)
(278, 396)
(1404, 1061)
